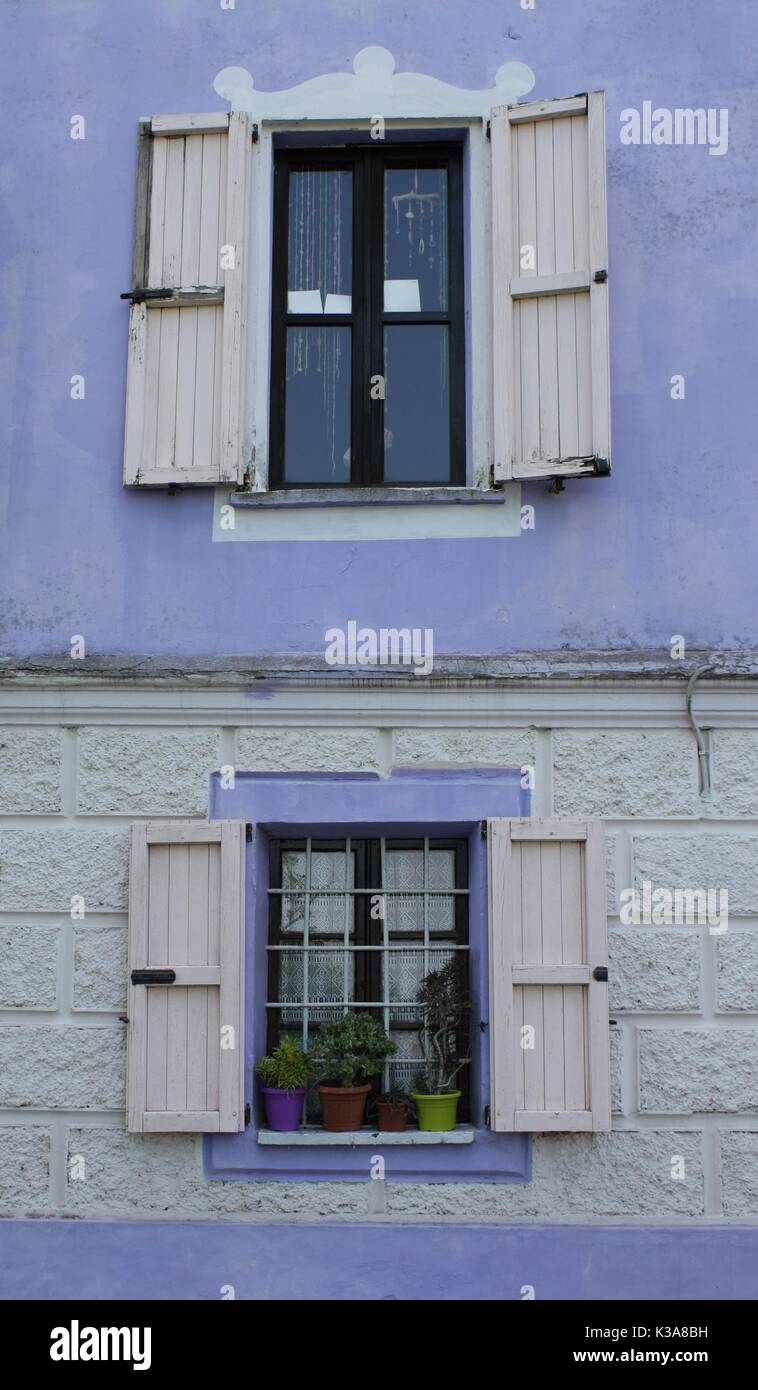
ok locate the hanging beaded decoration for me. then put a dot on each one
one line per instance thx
(429, 209)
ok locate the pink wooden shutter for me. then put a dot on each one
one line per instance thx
(549, 1039)
(186, 916)
(550, 292)
(185, 373)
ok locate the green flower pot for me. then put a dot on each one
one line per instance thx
(437, 1112)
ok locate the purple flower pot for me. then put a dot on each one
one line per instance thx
(284, 1109)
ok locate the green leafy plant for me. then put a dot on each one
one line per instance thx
(351, 1049)
(288, 1067)
(444, 1004)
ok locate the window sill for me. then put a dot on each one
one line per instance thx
(368, 514)
(365, 496)
(355, 1138)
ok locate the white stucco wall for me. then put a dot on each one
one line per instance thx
(77, 762)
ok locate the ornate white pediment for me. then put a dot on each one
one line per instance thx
(373, 88)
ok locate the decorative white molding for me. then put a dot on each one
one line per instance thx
(373, 88)
(234, 700)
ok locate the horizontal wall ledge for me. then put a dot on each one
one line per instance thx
(648, 666)
(355, 1138)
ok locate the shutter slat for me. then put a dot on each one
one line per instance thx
(186, 913)
(186, 361)
(550, 339)
(548, 933)
(543, 1121)
(189, 125)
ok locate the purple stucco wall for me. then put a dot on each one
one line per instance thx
(362, 1261)
(665, 546)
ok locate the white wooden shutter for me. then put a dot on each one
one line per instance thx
(550, 245)
(185, 373)
(548, 938)
(186, 915)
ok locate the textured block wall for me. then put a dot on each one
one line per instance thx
(684, 1002)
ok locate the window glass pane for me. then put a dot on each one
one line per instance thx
(317, 412)
(319, 258)
(416, 404)
(326, 982)
(415, 239)
(327, 909)
(404, 869)
(405, 971)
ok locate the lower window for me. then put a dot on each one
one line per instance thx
(358, 924)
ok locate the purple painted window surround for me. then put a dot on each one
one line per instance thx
(408, 803)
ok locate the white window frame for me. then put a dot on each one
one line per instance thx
(334, 102)
(477, 282)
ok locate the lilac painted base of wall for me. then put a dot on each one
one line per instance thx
(194, 1260)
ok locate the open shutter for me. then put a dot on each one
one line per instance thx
(548, 973)
(550, 291)
(185, 374)
(186, 920)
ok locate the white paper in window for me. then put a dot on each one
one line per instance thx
(338, 304)
(304, 302)
(402, 297)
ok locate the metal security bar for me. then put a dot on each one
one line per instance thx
(389, 936)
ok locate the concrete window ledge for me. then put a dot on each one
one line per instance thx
(354, 1138)
(368, 496)
(367, 513)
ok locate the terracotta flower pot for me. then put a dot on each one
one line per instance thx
(393, 1118)
(342, 1107)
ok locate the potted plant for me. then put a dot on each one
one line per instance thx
(283, 1080)
(392, 1111)
(444, 1003)
(351, 1050)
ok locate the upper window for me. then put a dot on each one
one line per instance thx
(367, 378)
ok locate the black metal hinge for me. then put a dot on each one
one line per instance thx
(153, 977)
(600, 277)
(600, 972)
(247, 1114)
(139, 296)
(483, 829)
(255, 134)
(489, 130)
(249, 831)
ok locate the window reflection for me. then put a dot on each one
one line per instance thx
(317, 419)
(416, 404)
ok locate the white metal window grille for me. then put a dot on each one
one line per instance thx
(356, 924)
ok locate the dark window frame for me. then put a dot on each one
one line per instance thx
(367, 930)
(368, 318)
